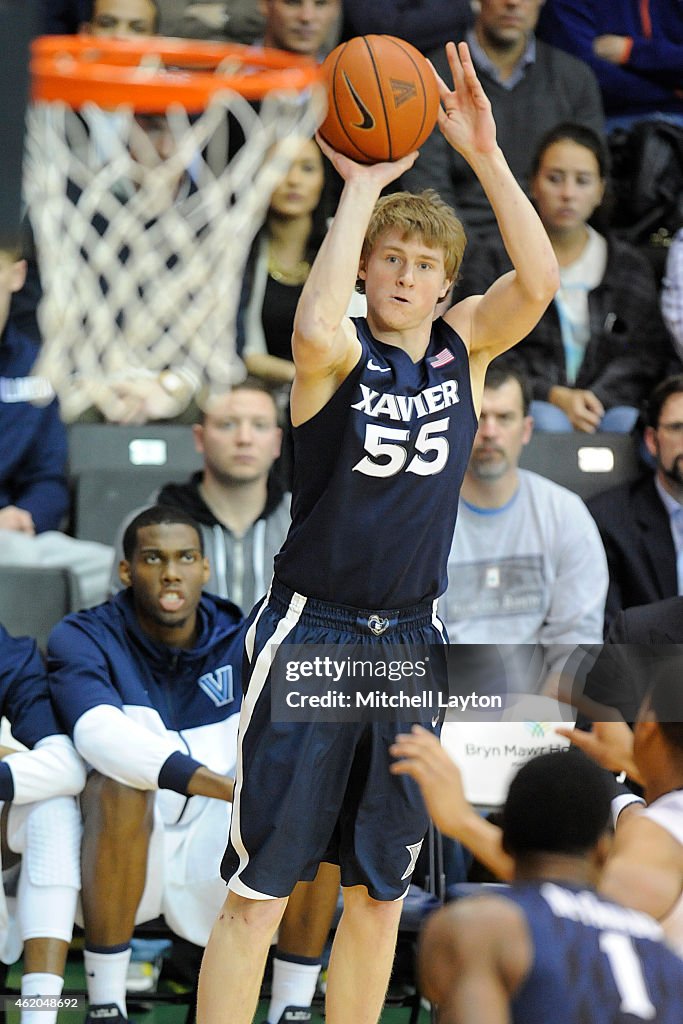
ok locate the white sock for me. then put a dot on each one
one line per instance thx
(40, 985)
(293, 985)
(105, 977)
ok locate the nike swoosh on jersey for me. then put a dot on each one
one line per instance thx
(368, 121)
(372, 365)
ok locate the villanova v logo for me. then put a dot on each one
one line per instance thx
(218, 685)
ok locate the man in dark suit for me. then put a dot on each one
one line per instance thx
(638, 641)
(641, 523)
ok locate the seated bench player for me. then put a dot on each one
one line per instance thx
(40, 829)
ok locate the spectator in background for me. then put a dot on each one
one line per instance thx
(284, 249)
(34, 492)
(531, 86)
(526, 564)
(601, 345)
(424, 23)
(122, 19)
(672, 292)
(638, 641)
(237, 499)
(635, 49)
(641, 523)
(306, 27)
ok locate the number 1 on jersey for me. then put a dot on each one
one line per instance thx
(628, 975)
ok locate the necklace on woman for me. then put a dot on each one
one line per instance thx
(286, 275)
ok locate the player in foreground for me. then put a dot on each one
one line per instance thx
(384, 414)
(644, 869)
(549, 948)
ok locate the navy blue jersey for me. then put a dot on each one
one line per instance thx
(377, 476)
(101, 656)
(143, 712)
(594, 962)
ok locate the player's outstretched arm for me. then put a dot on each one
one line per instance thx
(515, 303)
(420, 755)
(643, 870)
(324, 342)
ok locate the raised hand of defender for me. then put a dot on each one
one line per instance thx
(465, 117)
(610, 744)
(381, 174)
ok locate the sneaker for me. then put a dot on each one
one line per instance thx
(105, 1013)
(296, 1015)
(143, 975)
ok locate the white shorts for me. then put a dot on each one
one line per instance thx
(183, 865)
(49, 864)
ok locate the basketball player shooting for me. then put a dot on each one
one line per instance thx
(384, 411)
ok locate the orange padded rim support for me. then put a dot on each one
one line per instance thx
(114, 72)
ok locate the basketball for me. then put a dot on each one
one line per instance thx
(382, 99)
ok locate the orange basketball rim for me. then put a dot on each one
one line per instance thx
(154, 73)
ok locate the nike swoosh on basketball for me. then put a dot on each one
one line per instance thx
(372, 365)
(368, 121)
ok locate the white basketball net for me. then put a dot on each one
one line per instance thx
(142, 243)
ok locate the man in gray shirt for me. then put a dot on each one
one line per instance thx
(527, 567)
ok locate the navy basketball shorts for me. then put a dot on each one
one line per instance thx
(311, 791)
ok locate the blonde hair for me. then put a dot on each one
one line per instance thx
(425, 215)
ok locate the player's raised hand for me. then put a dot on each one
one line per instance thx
(465, 117)
(380, 174)
(610, 744)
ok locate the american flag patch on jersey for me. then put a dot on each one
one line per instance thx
(442, 358)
